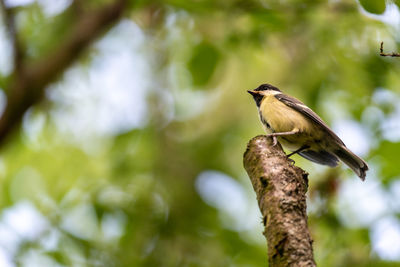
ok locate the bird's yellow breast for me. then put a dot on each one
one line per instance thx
(282, 118)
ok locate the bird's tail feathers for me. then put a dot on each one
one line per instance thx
(357, 164)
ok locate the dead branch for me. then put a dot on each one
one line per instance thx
(281, 193)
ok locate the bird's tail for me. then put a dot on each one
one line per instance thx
(357, 164)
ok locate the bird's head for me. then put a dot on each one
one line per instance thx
(261, 91)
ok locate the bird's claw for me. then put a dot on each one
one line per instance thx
(292, 162)
(274, 140)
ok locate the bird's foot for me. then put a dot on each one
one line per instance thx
(292, 162)
(274, 140)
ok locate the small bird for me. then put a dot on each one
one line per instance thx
(301, 130)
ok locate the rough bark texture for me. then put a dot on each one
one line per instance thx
(281, 193)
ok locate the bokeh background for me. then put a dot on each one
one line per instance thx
(134, 155)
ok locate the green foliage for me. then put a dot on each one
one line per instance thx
(38, 31)
(389, 163)
(203, 63)
(374, 6)
(132, 197)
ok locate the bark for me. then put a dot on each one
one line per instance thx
(281, 193)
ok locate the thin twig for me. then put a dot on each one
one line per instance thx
(393, 54)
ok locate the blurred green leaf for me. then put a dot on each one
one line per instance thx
(397, 2)
(203, 62)
(374, 6)
(387, 152)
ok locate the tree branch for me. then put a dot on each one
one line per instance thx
(393, 54)
(281, 193)
(9, 21)
(31, 80)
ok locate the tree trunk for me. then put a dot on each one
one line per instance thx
(281, 193)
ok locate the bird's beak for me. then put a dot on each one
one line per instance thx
(252, 92)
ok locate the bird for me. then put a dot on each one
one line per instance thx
(300, 130)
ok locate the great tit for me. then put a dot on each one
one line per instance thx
(301, 130)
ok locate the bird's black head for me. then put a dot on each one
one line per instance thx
(265, 87)
(258, 93)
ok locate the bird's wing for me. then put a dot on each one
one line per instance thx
(321, 157)
(306, 111)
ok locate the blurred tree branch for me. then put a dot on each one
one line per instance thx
(281, 193)
(393, 54)
(9, 21)
(30, 79)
